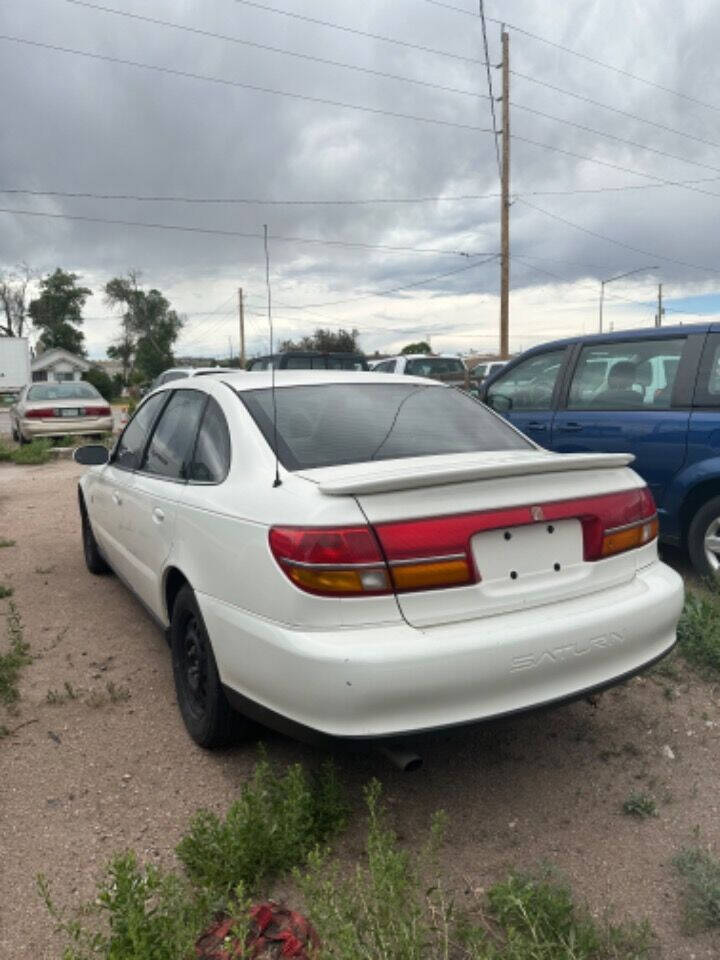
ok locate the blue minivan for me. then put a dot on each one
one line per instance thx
(654, 393)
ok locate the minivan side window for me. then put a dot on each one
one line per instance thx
(132, 442)
(527, 386)
(707, 391)
(626, 375)
(211, 460)
(173, 438)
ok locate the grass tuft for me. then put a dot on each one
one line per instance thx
(640, 805)
(6, 543)
(16, 657)
(701, 872)
(699, 632)
(6, 451)
(32, 454)
(5, 591)
(272, 827)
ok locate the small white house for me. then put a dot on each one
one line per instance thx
(56, 365)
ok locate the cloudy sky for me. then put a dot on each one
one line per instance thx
(596, 193)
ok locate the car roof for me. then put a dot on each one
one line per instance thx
(194, 371)
(642, 333)
(295, 378)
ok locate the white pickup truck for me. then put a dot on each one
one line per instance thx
(14, 364)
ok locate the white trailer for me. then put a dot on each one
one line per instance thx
(14, 364)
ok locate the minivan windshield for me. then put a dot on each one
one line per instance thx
(334, 423)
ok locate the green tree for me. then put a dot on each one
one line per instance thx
(101, 381)
(57, 312)
(422, 346)
(326, 341)
(149, 327)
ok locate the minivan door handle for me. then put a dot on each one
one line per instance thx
(572, 426)
(536, 425)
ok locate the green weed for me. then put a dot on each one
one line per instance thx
(6, 451)
(640, 805)
(274, 824)
(701, 872)
(62, 696)
(699, 632)
(32, 454)
(6, 543)
(118, 693)
(14, 659)
(5, 591)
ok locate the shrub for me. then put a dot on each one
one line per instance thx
(33, 453)
(640, 805)
(102, 382)
(14, 658)
(701, 872)
(699, 631)
(271, 828)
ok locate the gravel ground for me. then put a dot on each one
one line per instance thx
(86, 777)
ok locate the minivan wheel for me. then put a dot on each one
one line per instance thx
(209, 718)
(704, 539)
(94, 560)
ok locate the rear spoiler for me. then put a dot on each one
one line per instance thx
(402, 477)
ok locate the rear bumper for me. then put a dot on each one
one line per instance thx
(394, 680)
(62, 428)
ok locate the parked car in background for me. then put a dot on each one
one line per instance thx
(365, 556)
(308, 360)
(179, 373)
(653, 393)
(481, 371)
(443, 367)
(58, 410)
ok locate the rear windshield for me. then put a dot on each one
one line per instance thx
(433, 366)
(328, 424)
(75, 390)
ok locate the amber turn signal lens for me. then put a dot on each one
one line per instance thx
(437, 573)
(635, 536)
(339, 582)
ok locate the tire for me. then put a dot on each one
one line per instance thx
(705, 524)
(14, 433)
(94, 560)
(208, 717)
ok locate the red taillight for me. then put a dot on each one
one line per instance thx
(40, 413)
(436, 552)
(343, 561)
(97, 411)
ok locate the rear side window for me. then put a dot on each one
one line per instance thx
(707, 392)
(335, 423)
(132, 442)
(174, 436)
(529, 385)
(387, 366)
(433, 366)
(211, 459)
(627, 375)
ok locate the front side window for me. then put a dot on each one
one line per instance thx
(173, 439)
(131, 444)
(527, 386)
(628, 375)
(337, 423)
(211, 460)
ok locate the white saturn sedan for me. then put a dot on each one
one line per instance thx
(366, 556)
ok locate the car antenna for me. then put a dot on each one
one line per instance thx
(277, 481)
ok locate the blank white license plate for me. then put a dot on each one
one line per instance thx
(511, 553)
(69, 412)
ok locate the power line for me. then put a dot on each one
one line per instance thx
(356, 32)
(607, 106)
(236, 83)
(614, 166)
(611, 136)
(272, 49)
(238, 233)
(490, 86)
(390, 291)
(619, 243)
(581, 56)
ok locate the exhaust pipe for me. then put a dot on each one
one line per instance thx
(406, 761)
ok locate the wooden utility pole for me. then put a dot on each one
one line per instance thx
(659, 315)
(241, 321)
(505, 202)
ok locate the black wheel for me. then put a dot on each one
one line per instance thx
(94, 560)
(15, 435)
(209, 718)
(704, 539)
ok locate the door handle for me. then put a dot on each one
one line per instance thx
(536, 425)
(116, 498)
(158, 515)
(571, 426)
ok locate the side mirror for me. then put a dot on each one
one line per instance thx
(500, 403)
(91, 455)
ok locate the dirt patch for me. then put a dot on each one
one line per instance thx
(88, 772)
